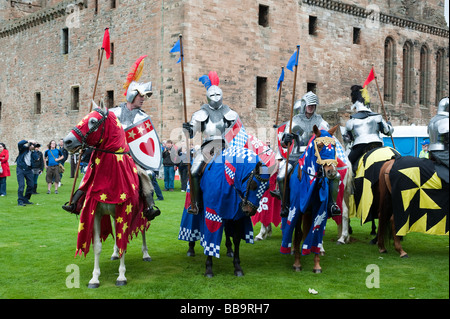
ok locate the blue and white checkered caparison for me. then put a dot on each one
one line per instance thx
(210, 249)
(240, 152)
(187, 234)
(213, 217)
(340, 151)
(240, 139)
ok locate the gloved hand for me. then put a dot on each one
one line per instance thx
(287, 139)
(188, 127)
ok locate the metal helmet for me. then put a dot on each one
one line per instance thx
(214, 96)
(443, 106)
(308, 99)
(138, 87)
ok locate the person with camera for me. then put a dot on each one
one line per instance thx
(51, 157)
(37, 166)
(23, 171)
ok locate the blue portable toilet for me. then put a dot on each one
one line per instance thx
(407, 139)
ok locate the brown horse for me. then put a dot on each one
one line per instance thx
(411, 175)
(326, 170)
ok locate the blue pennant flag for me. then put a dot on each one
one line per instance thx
(176, 48)
(293, 61)
(281, 79)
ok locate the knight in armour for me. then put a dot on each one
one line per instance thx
(211, 121)
(129, 113)
(364, 127)
(438, 132)
(303, 121)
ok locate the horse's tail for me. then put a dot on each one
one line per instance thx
(385, 210)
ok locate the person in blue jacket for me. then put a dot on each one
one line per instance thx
(24, 173)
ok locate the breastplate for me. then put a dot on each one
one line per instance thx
(127, 117)
(438, 132)
(366, 130)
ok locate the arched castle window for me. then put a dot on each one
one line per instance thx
(440, 73)
(389, 70)
(424, 75)
(408, 72)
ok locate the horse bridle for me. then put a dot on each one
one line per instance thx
(253, 174)
(94, 128)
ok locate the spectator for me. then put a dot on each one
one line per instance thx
(65, 154)
(169, 159)
(37, 166)
(424, 152)
(183, 168)
(24, 172)
(73, 164)
(52, 156)
(4, 168)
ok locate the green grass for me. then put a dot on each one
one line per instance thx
(37, 243)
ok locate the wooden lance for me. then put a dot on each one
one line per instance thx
(290, 128)
(90, 110)
(382, 106)
(188, 147)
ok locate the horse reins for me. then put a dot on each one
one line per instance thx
(93, 129)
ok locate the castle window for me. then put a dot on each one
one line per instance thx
(263, 16)
(75, 98)
(110, 99)
(111, 57)
(0, 110)
(261, 92)
(440, 72)
(389, 70)
(356, 36)
(424, 75)
(408, 72)
(311, 87)
(37, 103)
(65, 41)
(312, 25)
(113, 4)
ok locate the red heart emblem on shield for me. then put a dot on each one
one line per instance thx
(148, 147)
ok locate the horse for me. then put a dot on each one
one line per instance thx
(232, 185)
(365, 198)
(111, 184)
(421, 205)
(309, 184)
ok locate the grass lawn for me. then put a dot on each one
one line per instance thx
(37, 244)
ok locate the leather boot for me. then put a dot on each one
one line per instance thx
(74, 207)
(151, 211)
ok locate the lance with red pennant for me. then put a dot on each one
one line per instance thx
(178, 47)
(292, 65)
(106, 47)
(369, 79)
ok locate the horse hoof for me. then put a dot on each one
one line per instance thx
(190, 253)
(239, 273)
(340, 243)
(230, 254)
(121, 283)
(317, 271)
(404, 256)
(93, 286)
(114, 258)
(209, 275)
(147, 259)
(297, 268)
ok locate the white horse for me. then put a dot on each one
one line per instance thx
(90, 131)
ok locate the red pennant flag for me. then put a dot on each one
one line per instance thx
(106, 44)
(369, 78)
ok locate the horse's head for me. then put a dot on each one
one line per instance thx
(255, 183)
(86, 132)
(325, 151)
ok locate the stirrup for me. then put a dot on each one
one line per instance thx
(276, 194)
(335, 210)
(151, 212)
(193, 208)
